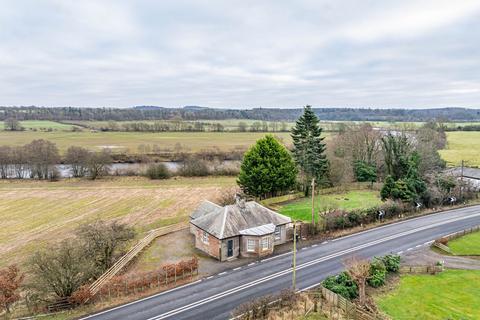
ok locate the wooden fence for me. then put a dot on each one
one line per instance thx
(462, 233)
(421, 269)
(438, 243)
(167, 276)
(350, 310)
(96, 286)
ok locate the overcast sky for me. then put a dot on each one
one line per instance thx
(240, 53)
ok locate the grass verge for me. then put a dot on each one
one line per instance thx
(468, 245)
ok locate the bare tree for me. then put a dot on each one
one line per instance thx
(78, 158)
(5, 161)
(42, 155)
(359, 270)
(10, 282)
(103, 242)
(60, 269)
(98, 164)
(12, 124)
(227, 196)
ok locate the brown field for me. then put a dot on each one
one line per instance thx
(34, 213)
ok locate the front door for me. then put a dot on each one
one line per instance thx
(230, 248)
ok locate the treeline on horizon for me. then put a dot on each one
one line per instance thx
(263, 114)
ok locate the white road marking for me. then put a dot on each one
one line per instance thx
(209, 277)
(237, 268)
(314, 245)
(251, 264)
(275, 257)
(222, 273)
(399, 252)
(409, 249)
(302, 266)
(228, 292)
(418, 246)
(428, 242)
(324, 242)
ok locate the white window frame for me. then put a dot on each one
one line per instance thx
(251, 245)
(278, 233)
(265, 243)
(205, 237)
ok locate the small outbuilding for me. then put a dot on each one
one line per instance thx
(244, 229)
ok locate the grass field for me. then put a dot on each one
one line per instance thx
(452, 294)
(129, 141)
(466, 245)
(462, 146)
(301, 209)
(42, 125)
(34, 212)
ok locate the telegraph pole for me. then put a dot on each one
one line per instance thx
(461, 180)
(294, 263)
(313, 203)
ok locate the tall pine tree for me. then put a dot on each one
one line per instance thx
(309, 149)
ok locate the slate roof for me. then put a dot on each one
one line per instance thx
(204, 208)
(259, 231)
(472, 173)
(228, 221)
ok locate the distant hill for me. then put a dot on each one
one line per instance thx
(204, 113)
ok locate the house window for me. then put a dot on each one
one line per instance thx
(205, 237)
(250, 245)
(278, 235)
(265, 243)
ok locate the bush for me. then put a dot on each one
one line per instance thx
(341, 284)
(157, 171)
(378, 273)
(193, 167)
(391, 262)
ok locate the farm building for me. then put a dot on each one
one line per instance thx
(244, 229)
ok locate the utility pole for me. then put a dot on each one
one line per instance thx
(461, 180)
(313, 203)
(294, 263)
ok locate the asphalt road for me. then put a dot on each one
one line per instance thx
(215, 297)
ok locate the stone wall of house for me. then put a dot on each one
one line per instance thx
(212, 247)
(258, 250)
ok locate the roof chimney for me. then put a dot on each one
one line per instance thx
(240, 201)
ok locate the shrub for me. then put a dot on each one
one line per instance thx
(157, 171)
(342, 284)
(193, 167)
(391, 262)
(378, 273)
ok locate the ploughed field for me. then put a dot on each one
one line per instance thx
(33, 213)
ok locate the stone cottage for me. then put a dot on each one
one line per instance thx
(245, 229)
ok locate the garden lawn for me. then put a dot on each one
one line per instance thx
(466, 245)
(357, 199)
(452, 294)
